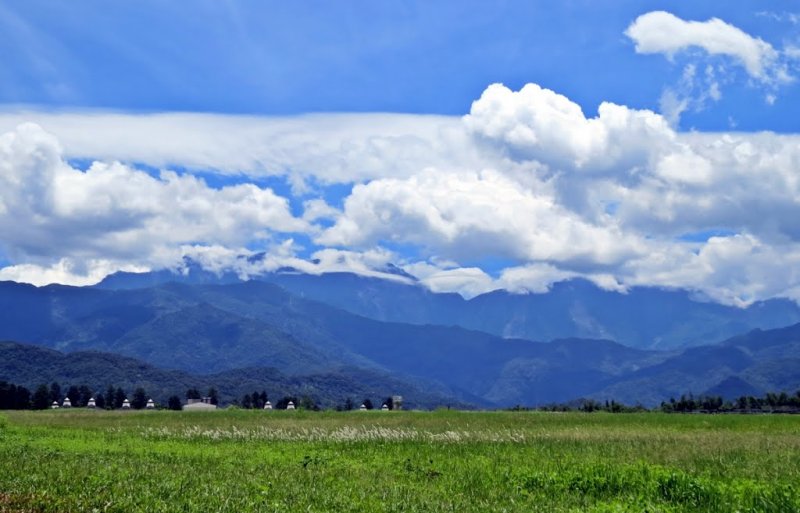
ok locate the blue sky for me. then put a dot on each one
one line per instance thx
(298, 57)
(632, 142)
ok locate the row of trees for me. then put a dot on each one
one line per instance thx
(17, 397)
(257, 400)
(771, 402)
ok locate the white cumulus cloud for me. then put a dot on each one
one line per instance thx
(619, 197)
(112, 212)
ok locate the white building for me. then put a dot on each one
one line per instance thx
(203, 404)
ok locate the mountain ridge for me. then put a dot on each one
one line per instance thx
(643, 317)
(205, 328)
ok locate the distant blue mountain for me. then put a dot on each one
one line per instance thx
(200, 328)
(644, 317)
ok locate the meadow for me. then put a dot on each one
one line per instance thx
(241, 461)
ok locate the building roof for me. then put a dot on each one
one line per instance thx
(199, 406)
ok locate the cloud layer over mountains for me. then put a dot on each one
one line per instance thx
(524, 190)
(526, 177)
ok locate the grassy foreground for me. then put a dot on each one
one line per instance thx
(397, 461)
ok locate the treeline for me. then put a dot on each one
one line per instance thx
(770, 403)
(258, 400)
(585, 405)
(17, 397)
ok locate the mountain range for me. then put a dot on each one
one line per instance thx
(369, 334)
(642, 317)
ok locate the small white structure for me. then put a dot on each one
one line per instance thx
(199, 404)
(385, 407)
(66, 403)
(150, 404)
(126, 405)
(363, 407)
(290, 406)
(54, 406)
(91, 403)
(267, 405)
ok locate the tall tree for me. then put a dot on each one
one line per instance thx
(14, 397)
(55, 392)
(213, 395)
(74, 395)
(139, 399)
(174, 403)
(119, 397)
(84, 394)
(109, 399)
(41, 398)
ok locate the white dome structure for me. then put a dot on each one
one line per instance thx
(91, 403)
(126, 405)
(150, 404)
(54, 406)
(267, 405)
(290, 406)
(67, 403)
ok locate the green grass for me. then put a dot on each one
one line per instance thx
(400, 461)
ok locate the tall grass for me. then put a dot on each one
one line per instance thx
(398, 461)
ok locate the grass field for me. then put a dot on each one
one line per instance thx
(397, 461)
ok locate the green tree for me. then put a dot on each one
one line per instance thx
(109, 398)
(174, 403)
(41, 398)
(193, 393)
(13, 397)
(307, 403)
(119, 398)
(55, 393)
(213, 395)
(84, 394)
(74, 395)
(139, 399)
(100, 401)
